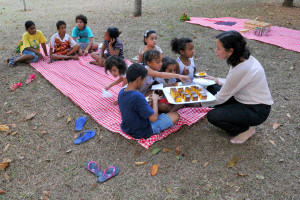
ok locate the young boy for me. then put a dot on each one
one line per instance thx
(84, 36)
(30, 49)
(64, 46)
(139, 120)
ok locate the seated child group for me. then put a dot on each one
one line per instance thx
(140, 119)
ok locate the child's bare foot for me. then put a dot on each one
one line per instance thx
(243, 137)
(80, 52)
(94, 63)
(115, 102)
(75, 57)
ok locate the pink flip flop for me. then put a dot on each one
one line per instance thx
(15, 86)
(30, 78)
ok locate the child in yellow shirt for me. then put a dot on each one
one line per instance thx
(30, 49)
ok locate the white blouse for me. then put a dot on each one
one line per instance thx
(246, 82)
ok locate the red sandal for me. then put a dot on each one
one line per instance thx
(30, 78)
(15, 86)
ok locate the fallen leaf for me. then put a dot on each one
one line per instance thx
(14, 133)
(155, 150)
(241, 174)
(98, 133)
(281, 138)
(194, 161)
(205, 164)
(2, 192)
(166, 150)
(281, 160)
(75, 136)
(30, 116)
(141, 163)
(275, 126)
(169, 26)
(177, 151)
(9, 112)
(5, 163)
(43, 132)
(154, 169)
(69, 119)
(260, 177)
(178, 157)
(5, 148)
(69, 151)
(288, 115)
(169, 190)
(232, 162)
(272, 142)
(4, 128)
(6, 176)
(13, 125)
(46, 193)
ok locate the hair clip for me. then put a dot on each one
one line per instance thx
(146, 33)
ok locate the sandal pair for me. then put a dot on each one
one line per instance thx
(108, 173)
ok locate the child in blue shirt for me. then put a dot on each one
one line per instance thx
(139, 120)
(83, 35)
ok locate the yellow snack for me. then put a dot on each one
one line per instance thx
(202, 73)
(178, 98)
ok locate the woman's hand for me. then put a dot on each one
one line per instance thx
(212, 78)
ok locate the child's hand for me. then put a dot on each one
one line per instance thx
(155, 97)
(111, 41)
(184, 78)
(115, 102)
(40, 56)
(185, 71)
(86, 52)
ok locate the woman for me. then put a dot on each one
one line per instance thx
(243, 99)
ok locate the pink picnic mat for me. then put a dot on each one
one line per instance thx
(83, 83)
(279, 36)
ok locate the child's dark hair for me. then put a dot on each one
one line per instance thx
(166, 61)
(149, 55)
(134, 71)
(82, 17)
(115, 61)
(59, 23)
(234, 40)
(147, 33)
(113, 32)
(28, 24)
(179, 44)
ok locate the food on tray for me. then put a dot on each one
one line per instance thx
(202, 73)
(195, 97)
(203, 96)
(174, 92)
(188, 90)
(180, 89)
(187, 98)
(178, 98)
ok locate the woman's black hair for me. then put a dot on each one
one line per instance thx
(179, 44)
(147, 33)
(82, 17)
(134, 71)
(59, 23)
(166, 61)
(113, 32)
(28, 24)
(234, 40)
(115, 61)
(149, 55)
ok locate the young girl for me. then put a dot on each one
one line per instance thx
(152, 60)
(150, 39)
(184, 47)
(171, 66)
(30, 49)
(111, 44)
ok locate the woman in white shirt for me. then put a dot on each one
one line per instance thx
(243, 99)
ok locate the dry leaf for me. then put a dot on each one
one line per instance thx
(13, 125)
(6, 147)
(6, 176)
(141, 163)
(205, 164)
(281, 138)
(46, 193)
(69, 119)
(69, 150)
(288, 115)
(14, 133)
(30, 116)
(4, 164)
(232, 162)
(155, 150)
(177, 151)
(260, 177)
(241, 174)
(272, 142)
(43, 132)
(275, 126)
(98, 133)
(9, 112)
(166, 150)
(154, 169)
(194, 161)
(169, 190)
(2, 192)
(75, 136)
(4, 128)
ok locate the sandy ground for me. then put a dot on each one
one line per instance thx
(40, 161)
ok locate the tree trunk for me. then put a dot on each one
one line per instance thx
(288, 3)
(24, 5)
(137, 8)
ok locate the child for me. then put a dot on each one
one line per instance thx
(112, 45)
(64, 46)
(83, 35)
(150, 39)
(184, 47)
(171, 66)
(139, 120)
(30, 49)
(152, 60)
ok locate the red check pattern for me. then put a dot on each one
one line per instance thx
(83, 83)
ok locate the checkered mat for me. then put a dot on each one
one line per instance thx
(83, 83)
(279, 36)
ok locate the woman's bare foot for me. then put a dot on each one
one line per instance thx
(243, 137)
(75, 57)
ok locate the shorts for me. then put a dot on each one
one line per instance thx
(27, 52)
(163, 122)
(83, 45)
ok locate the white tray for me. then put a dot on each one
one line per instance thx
(166, 91)
(203, 81)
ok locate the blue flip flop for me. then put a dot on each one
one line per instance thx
(11, 63)
(108, 173)
(82, 138)
(94, 167)
(80, 121)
